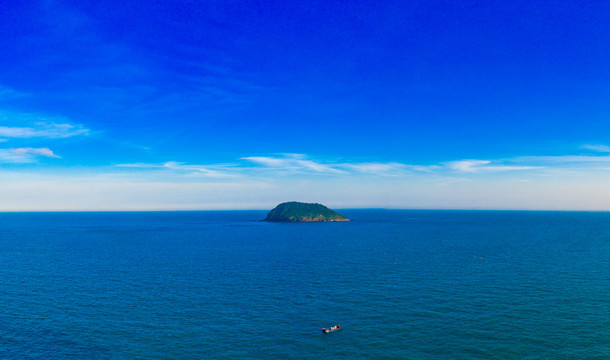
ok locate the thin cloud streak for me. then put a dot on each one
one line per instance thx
(203, 170)
(44, 130)
(294, 163)
(476, 166)
(598, 148)
(381, 169)
(25, 155)
(291, 164)
(300, 164)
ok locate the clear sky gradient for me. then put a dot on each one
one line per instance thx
(167, 105)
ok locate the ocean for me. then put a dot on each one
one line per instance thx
(404, 284)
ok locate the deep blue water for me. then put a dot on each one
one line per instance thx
(221, 285)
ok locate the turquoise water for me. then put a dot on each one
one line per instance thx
(221, 285)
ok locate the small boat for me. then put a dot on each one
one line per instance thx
(331, 329)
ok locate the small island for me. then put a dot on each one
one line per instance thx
(303, 212)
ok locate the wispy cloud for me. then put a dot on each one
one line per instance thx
(467, 165)
(215, 171)
(201, 169)
(475, 166)
(7, 93)
(25, 155)
(598, 148)
(383, 169)
(44, 130)
(294, 163)
(299, 164)
(286, 164)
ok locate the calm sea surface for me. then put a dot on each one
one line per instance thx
(221, 285)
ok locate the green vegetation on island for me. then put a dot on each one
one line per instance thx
(303, 212)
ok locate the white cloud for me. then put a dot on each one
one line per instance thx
(35, 151)
(25, 155)
(203, 170)
(267, 161)
(382, 169)
(298, 163)
(200, 169)
(45, 130)
(317, 167)
(467, 165)
(598, 148)
(294, 163)
(291, 164)
(475, 166)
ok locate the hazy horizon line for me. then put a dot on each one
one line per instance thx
(267, 209)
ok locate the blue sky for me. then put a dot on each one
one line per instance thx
(146, 105)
